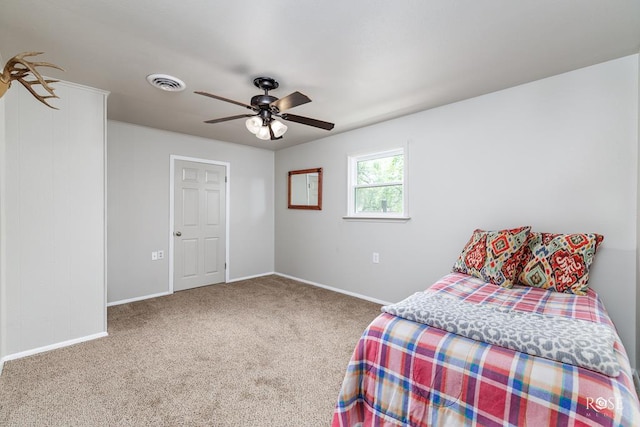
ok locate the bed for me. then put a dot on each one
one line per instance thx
(427, 361)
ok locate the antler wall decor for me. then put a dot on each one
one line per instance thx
(18, 68)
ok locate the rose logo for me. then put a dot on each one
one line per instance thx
(601, 403)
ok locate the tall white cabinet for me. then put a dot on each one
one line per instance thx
(54, 283)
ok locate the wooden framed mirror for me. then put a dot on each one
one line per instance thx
(305, 189)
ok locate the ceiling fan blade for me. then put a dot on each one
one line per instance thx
(210, 95)
(292, 100)
(226, 119)
(307, 121)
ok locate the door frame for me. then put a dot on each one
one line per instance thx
(172, 165)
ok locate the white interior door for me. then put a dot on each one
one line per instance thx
(199, 224)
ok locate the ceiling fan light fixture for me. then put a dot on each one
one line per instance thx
(278, 128)
(263, 133)
(254, 124)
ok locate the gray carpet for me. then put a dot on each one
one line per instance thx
(262, 352)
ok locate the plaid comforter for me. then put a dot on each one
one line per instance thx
(407, 373)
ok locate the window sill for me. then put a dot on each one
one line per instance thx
(377, 218)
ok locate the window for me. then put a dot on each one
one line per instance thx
(377, 185)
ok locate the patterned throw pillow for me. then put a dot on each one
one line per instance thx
(493, 256)
(558, 262)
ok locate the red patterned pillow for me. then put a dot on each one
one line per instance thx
(493, 256)
(558, 262)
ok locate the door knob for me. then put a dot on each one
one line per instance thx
(177, 234)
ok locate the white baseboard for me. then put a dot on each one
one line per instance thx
(251, 277)
(341, 291)
(127, 301)
(46, 348)
(163, 294)
(38, 350)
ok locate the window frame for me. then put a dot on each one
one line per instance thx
(352, 186)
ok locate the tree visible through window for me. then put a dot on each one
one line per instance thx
(377, 184)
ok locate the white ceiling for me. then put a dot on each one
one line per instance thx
(360, 61)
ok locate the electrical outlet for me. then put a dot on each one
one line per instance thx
(376, 258)
(154, 256)
(160, 254)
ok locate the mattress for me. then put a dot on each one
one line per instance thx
(404, 372)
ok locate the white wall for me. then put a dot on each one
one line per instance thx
(138, 206)
(559, 154)
(638, 240)
(54, 286)
(3, 310)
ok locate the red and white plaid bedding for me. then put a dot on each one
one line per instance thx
(407, 373)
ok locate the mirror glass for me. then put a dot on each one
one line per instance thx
(305, 189)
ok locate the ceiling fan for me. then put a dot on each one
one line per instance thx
(266, 108)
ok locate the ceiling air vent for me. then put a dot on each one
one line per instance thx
(166, 82)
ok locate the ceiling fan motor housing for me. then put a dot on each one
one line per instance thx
(262, 100)
(265, 109)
